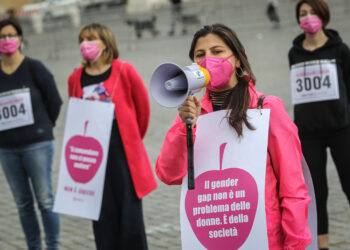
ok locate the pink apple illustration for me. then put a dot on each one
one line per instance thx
(222, 208)
(83, 157)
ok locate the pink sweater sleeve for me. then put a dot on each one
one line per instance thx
(285, 150)
(171, 165)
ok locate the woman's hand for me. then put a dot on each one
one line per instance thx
(190, 109)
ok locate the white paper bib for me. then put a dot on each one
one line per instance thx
(314, 81)
(15, 109)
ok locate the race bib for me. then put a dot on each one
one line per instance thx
(15, 109)
(314, 81)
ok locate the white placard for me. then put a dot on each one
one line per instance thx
(84, 158)
(15, 109)
(314, 81)
(226, 210)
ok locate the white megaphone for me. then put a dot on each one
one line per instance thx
(171, 84)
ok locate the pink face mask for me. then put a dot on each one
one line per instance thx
(220, 71)
(8, 46)
(311, 24)
(90, 51)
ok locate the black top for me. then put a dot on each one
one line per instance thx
(87, 79)
(120, 206)
(330, 115)
(45, 98)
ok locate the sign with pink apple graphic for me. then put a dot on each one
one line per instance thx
(226, 210)
(84, 158)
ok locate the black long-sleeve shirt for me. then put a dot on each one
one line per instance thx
(45, 98)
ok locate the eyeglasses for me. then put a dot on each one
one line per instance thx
(10, 36)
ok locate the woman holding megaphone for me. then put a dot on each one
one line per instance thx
(232, 86)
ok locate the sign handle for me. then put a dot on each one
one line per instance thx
(190, 157)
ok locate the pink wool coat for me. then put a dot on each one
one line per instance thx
(132, 111)
(286, 194)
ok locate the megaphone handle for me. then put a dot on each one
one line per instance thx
(190, 156)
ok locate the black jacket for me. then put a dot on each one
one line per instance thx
(46, 103)
(331, 115)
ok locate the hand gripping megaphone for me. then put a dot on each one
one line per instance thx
(170, 86)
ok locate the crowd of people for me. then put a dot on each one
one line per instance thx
(317, 58)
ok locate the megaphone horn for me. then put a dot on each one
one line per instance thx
(171, 84)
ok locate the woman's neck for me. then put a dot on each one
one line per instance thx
(313, 42)
(98, 67)
(10, 63)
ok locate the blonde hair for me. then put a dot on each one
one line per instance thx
(106, 36)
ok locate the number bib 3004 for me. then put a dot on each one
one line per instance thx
(15, 109)
(314, 81)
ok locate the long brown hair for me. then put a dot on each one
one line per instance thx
(240, 97)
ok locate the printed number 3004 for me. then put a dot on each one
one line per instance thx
(12, 111)
(313, 83)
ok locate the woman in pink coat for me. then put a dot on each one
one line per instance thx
(231, 86)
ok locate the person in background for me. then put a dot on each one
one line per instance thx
(27, 148)
(325, 122)
(176, 16)
(232, 86)
(129, 176)
(272, 13)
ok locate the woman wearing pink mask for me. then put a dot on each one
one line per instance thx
(320, 64)
(129, 176)
(29, 106)
(232, 86)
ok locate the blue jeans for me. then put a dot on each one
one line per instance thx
(32, 164)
